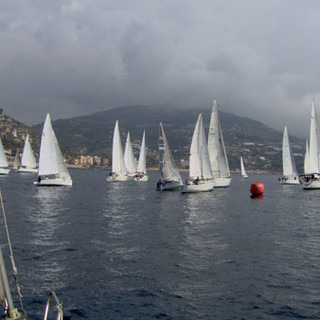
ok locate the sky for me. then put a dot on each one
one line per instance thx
(259, 59)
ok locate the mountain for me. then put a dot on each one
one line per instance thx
(92, 135)
(13, 134)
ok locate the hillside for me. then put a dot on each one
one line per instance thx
(13, 134)
(92, 135)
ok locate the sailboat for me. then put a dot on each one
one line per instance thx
(170, 176)
(141, 174)
(290, 173)
(10, 312)
(16, 161)
(217, 152)
(200, 176)
(311, 178)
(52, 169)
(28, 161)
(4, 167)
(119, 172)
(129, 159)
(243, 169)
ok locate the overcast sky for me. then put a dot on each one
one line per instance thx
(259, 59)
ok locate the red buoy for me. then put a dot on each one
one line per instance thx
(257, 189)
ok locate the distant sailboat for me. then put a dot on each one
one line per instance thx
(119, 172)
(52, 169)
(28, 161)
(243, 170)
(200, 176)
(141, 174)
(290, 173)
(4, 167)
(217, 151)
(170, 176)
(311, 179)
(16, 161)
(129, 159)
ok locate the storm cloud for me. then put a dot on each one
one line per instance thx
(257, 58)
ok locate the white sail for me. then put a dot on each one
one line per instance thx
(52, 169)
(119, 172)
(28, 161)
(4, 167)
(311, 178)
(129, 159)
(243, 170)
(199, 162)
(288, 164)
(170, 176)
(200, 176)
(16, 161)
(141, 174)
(314, 142)
(142, 166)
(216, 149)
(306, 159)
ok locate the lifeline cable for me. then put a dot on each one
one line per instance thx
(15, 270)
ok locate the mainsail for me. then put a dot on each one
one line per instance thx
(28, 160)
(129, 159)
(118, 166)
(168, 169)
(51, 163)
(288, 164)
(141, 168)
(199, 162)
(216, 148)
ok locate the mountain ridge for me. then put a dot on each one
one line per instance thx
(92, 134)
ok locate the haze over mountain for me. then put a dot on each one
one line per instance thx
(92, 134)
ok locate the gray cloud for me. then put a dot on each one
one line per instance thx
(79, 56)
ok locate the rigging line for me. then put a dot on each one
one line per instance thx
(15, 270)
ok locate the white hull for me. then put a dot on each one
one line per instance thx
(244, 177)
(168, 186)
(54, 182)
(290, 182)
(310, 183)
(27, 170)
(117, 178)
(222, 182)
(143, 178)
(202, 186)
(4, 170)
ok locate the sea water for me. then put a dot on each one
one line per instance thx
(126, 251)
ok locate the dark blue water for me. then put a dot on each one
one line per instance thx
(125, 251)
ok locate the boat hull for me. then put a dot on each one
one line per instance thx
(168, 186)
(222, 182)
(310, 182)
(4, 171)
(290, 182)
(117, 178)
(53, 182)
(27, 170)
(202, 186)
(143, 178)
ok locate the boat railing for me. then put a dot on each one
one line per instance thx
(57, 307)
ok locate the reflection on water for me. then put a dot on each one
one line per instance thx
(44, 215)
(128, 252)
